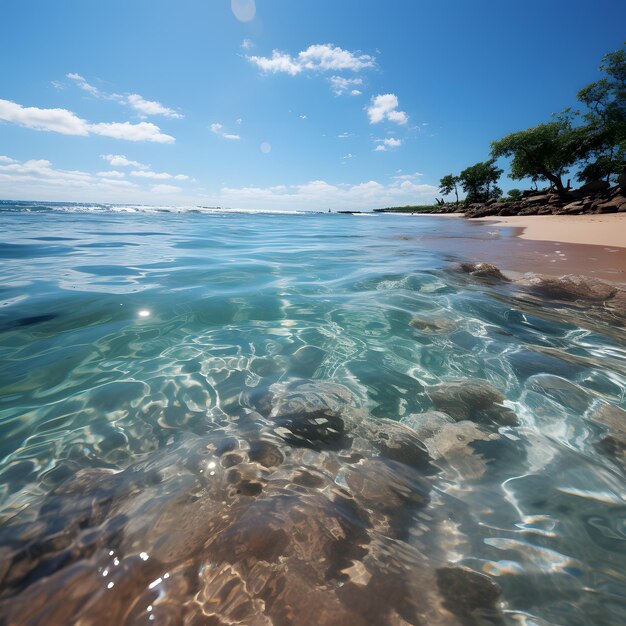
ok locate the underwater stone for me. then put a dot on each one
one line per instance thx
(613, 441)
(472, 399)
(395, 441)
(436, 324)
(468, 594)
(560, 390)
(451, 441)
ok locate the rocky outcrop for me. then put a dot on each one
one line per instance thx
(483, 270)
(594, 197)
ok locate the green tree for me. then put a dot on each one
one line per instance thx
(603, 136)
(479, 181)
(544, 152)
(513, 195)
(448, 184)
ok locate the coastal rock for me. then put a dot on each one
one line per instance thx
(611, 206)
(472, 399)
(542, 199)
(483, 270)
(528, 211)
(572, 288)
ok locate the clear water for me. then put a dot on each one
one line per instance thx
(124, 332)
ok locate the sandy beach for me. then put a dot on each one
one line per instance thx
(595, 230)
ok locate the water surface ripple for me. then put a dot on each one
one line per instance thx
(137, 349)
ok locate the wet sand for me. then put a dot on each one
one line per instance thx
(589, 245)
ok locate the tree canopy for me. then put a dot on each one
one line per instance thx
(448, 184)
(544, 152)
(590, 142)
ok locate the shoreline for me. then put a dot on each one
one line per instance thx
(553, 245)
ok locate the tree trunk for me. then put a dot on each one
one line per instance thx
(556, 181)
(456, 193)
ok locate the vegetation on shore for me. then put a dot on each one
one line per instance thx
(411, 208)
(589, 143)
(592, 141)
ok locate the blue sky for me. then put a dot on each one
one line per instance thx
(279, 104)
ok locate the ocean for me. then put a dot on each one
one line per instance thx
(276, 418)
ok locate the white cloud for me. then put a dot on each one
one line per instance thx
(40, 173)
(278, 62)
(6, 159)
(329, 57)
(384, 144)
(111, 174)
(238, 120)
(344, 135)
(133, 100)
(158, 175)
(408, 176)
(246, 44)
(320, 195)
(319, 57)
(302, 117)
(67, 123)
(119, 160)
(149, 107)
(385, 106)
(340, 85)
(55, 120)
(38, 179)
(143, 131)
(217, 128)
(166, 189)
(84, 85)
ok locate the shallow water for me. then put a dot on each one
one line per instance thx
(131, 339)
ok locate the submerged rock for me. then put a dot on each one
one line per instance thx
(395, 441)
(450, 441)
(470, 595)
(613, 441)
(484, 270)
(435, 324)
(293, 517)
(472, 399)
(571, 288)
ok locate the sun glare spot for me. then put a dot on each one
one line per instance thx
(144, 313)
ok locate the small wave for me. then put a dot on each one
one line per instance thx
(71, 207)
